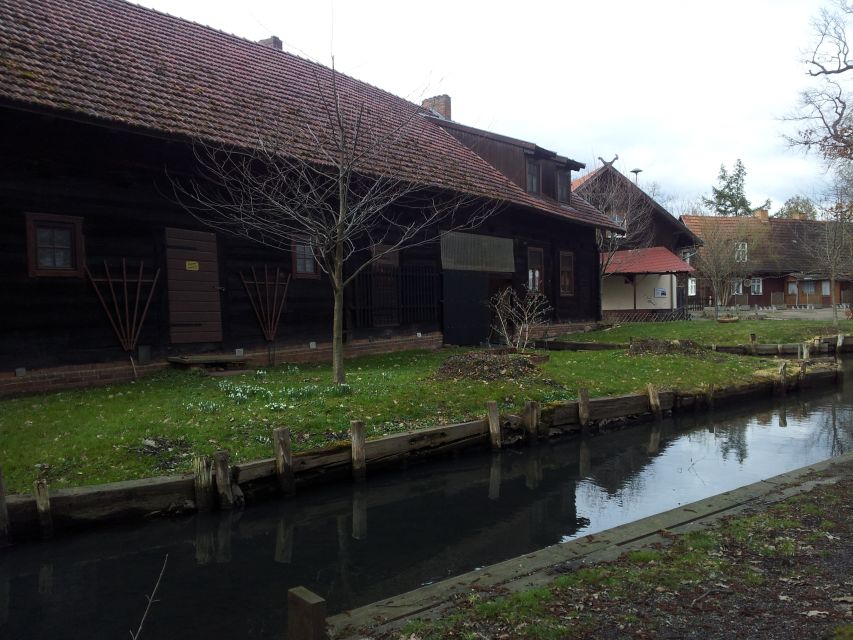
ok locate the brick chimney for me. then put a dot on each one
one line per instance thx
(762, 214)
(439, 104)
(272, 42)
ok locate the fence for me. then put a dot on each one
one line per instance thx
(387, 296)
(672, 315)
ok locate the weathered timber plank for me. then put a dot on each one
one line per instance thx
(618, 406)
(359, 459)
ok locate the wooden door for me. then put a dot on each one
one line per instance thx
(192, 267)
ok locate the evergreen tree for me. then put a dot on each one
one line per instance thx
(729, 197)
(797, 207)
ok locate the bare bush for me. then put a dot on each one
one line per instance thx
(516, 314)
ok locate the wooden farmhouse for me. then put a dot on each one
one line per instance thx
(102, 105)
(644, 275)
(777, 261)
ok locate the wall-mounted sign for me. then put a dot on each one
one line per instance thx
(192, 265)
(660, 292)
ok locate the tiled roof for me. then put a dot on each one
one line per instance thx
(117, 62)
(650, 260)
(775, 245)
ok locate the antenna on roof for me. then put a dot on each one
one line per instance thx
(636, 172)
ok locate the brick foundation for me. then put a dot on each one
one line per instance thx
(94, 375)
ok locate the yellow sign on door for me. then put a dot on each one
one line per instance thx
(192, 265)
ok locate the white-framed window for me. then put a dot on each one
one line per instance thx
(757, 286)
(535, 269)
(792, 288)
(741, 252)
(686, 255)
(691, 286)
(824, 288)
(737, 287)
(808, 287)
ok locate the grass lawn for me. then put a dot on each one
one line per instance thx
(156, 425)
(712, 332)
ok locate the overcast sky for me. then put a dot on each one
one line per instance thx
(674, 88)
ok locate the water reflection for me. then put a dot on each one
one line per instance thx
(228, 574)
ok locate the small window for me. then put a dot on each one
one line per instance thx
(757, 286)
(686, 255)
(534, 177)
(792, 288)
(535, 269)
(304, 263)
(741, 252)
(567, 273)
(54, 245)
(737, 288)
(809, 288)
(563, 188)
(691, 286)
(824, 288)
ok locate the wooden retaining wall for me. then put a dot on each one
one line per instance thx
(228, 485)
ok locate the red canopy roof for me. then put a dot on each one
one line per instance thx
(651, 260)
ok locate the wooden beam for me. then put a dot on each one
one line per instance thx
(203, 479)
(654, 401)
(583, 407)
(223, 480)
(306, 615)
(530, 417)
(283, 460)
(41, 491)
(5, 534)
(359, 466)
(494, 423)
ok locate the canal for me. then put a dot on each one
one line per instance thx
(228, 574)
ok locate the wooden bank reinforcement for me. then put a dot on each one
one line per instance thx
(217, 483)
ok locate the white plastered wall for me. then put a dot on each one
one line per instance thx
(618, 292)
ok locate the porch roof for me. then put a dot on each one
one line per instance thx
(650, 260)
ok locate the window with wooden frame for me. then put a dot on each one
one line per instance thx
(534, 177)
(741, 252)
(535, 269)
(757, 286)
(54, 245)
(567, 273)
(563, 188)
(304, 263)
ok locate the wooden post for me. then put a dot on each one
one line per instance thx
(531, 419)
(283, 460)
(583, 408)
(5, 534)
(654, 401)
(203, 476)
(778, 349)
(806, 351)
(41, 492)
(494, 423)
(783, 378)
(306, 615)
(223, 480)
(839, 346)
(752, 343)
(359, 465)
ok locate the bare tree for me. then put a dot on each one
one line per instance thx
(824, 113)
(516, 314)
(329, 185)
(829, 242)
(726, 255)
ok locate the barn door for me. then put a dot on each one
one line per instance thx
(193, 282)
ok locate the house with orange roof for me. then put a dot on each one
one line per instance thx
(101, 102)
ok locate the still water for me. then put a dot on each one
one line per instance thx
(228, 575)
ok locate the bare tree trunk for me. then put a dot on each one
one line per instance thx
(338, 373)
(833, 302)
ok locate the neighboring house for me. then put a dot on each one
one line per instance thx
(561, 263)
(779, 261)
(100, 98)
(647, 225)
(642, 280)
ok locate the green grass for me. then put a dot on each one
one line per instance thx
(97, 435)
(711, 332)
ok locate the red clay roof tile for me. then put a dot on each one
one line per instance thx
(650, 260)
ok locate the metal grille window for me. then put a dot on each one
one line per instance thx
(472, 252)
(54, 245)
